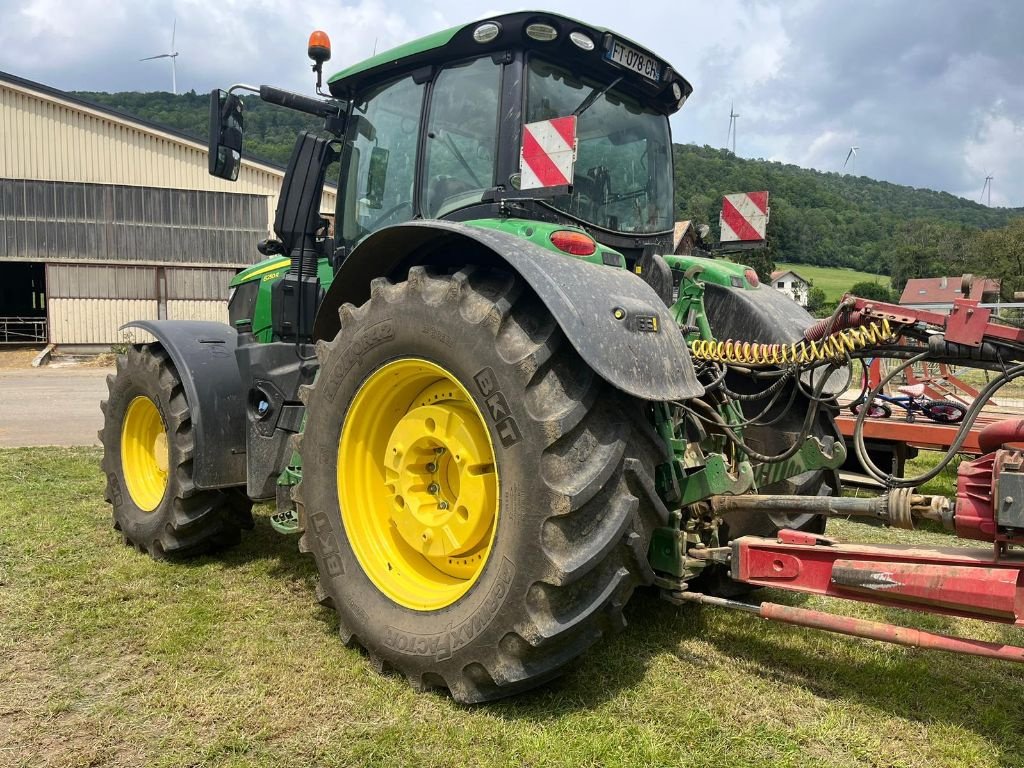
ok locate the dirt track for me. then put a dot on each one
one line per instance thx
(51, 406)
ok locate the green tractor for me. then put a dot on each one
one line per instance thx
(471, 396)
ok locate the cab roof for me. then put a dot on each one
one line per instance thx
(458, 43)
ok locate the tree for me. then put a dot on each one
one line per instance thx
(870, 290)
(999, 254)
(761, 261)
(816, 300)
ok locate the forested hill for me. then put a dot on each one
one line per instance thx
(269, 130)
(828, 219)
(817, 218)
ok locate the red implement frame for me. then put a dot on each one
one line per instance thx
(966, 323)
(976, 584)
(972, 584)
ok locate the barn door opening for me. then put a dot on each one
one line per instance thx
(22, 302)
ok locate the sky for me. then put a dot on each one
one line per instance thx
(931, 91)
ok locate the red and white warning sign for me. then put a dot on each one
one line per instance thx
(549, 153)
(744, 217)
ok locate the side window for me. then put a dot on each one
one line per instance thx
(381, 160)
(462, 136)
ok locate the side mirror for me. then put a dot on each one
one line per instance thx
(225, 144)
(376, 178)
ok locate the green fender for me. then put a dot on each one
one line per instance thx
(613, 319)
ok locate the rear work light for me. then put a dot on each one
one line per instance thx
(580, 40)
(486, 32)
(543, 33)
(573, 243)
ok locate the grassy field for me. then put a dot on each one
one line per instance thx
(111, 659)
(834, 282)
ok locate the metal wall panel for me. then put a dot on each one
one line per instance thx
(44, 136)
(45, 220)
(109, 281)
(216, 311)
(105, 281)
(198, 284)
(96, 321)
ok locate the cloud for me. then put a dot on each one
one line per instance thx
(930, 91)
(997, 149)
(914, 84)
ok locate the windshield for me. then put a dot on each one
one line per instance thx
(622, 180)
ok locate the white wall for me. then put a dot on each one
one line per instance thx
(793, 287)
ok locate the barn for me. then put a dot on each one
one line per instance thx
(106, 218)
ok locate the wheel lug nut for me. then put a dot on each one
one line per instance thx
(433, 488)
(439, 451)
(442, 505)
(431, 467)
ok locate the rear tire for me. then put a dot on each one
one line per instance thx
(875, 411)
(944, 411)
(572, 459)
(148, 449)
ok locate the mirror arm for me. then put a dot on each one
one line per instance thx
(243, 87)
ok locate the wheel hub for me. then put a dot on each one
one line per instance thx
(417, 484)
(145, 456)
(441, 479)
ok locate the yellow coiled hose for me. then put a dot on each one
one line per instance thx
(832, 347)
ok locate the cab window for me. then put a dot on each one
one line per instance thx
(380, 165)
(462, 136)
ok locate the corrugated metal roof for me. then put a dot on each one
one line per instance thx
(91, 106)
(48, 134)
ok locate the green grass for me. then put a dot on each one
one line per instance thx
(108, 658)
(833, 281)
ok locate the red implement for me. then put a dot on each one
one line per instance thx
(958, 582)
(889, 633)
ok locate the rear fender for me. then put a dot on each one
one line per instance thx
(203, 354)
(613, 319)
(764, 315)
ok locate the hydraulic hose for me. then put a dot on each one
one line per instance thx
(961, 436)
(832, 347)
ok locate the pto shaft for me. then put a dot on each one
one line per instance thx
(898, 508)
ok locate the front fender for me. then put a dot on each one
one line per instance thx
(613, 319)
(203, 353)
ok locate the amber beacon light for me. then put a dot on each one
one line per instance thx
(319, 46)
(319, 50)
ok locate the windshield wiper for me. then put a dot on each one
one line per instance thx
(595, 94)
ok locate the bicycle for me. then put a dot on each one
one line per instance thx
(913, 400)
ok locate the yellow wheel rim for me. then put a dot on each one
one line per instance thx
(144, 453)
(417, 484)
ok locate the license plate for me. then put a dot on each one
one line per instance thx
(632, 59)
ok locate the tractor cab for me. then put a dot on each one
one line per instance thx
(436, 130)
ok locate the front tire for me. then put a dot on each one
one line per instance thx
(554, 528)
(148, 448)
(944, 411)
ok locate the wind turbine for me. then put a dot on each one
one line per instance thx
(988, 186)
(732, 129)
(852, 154)
(172, 56)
